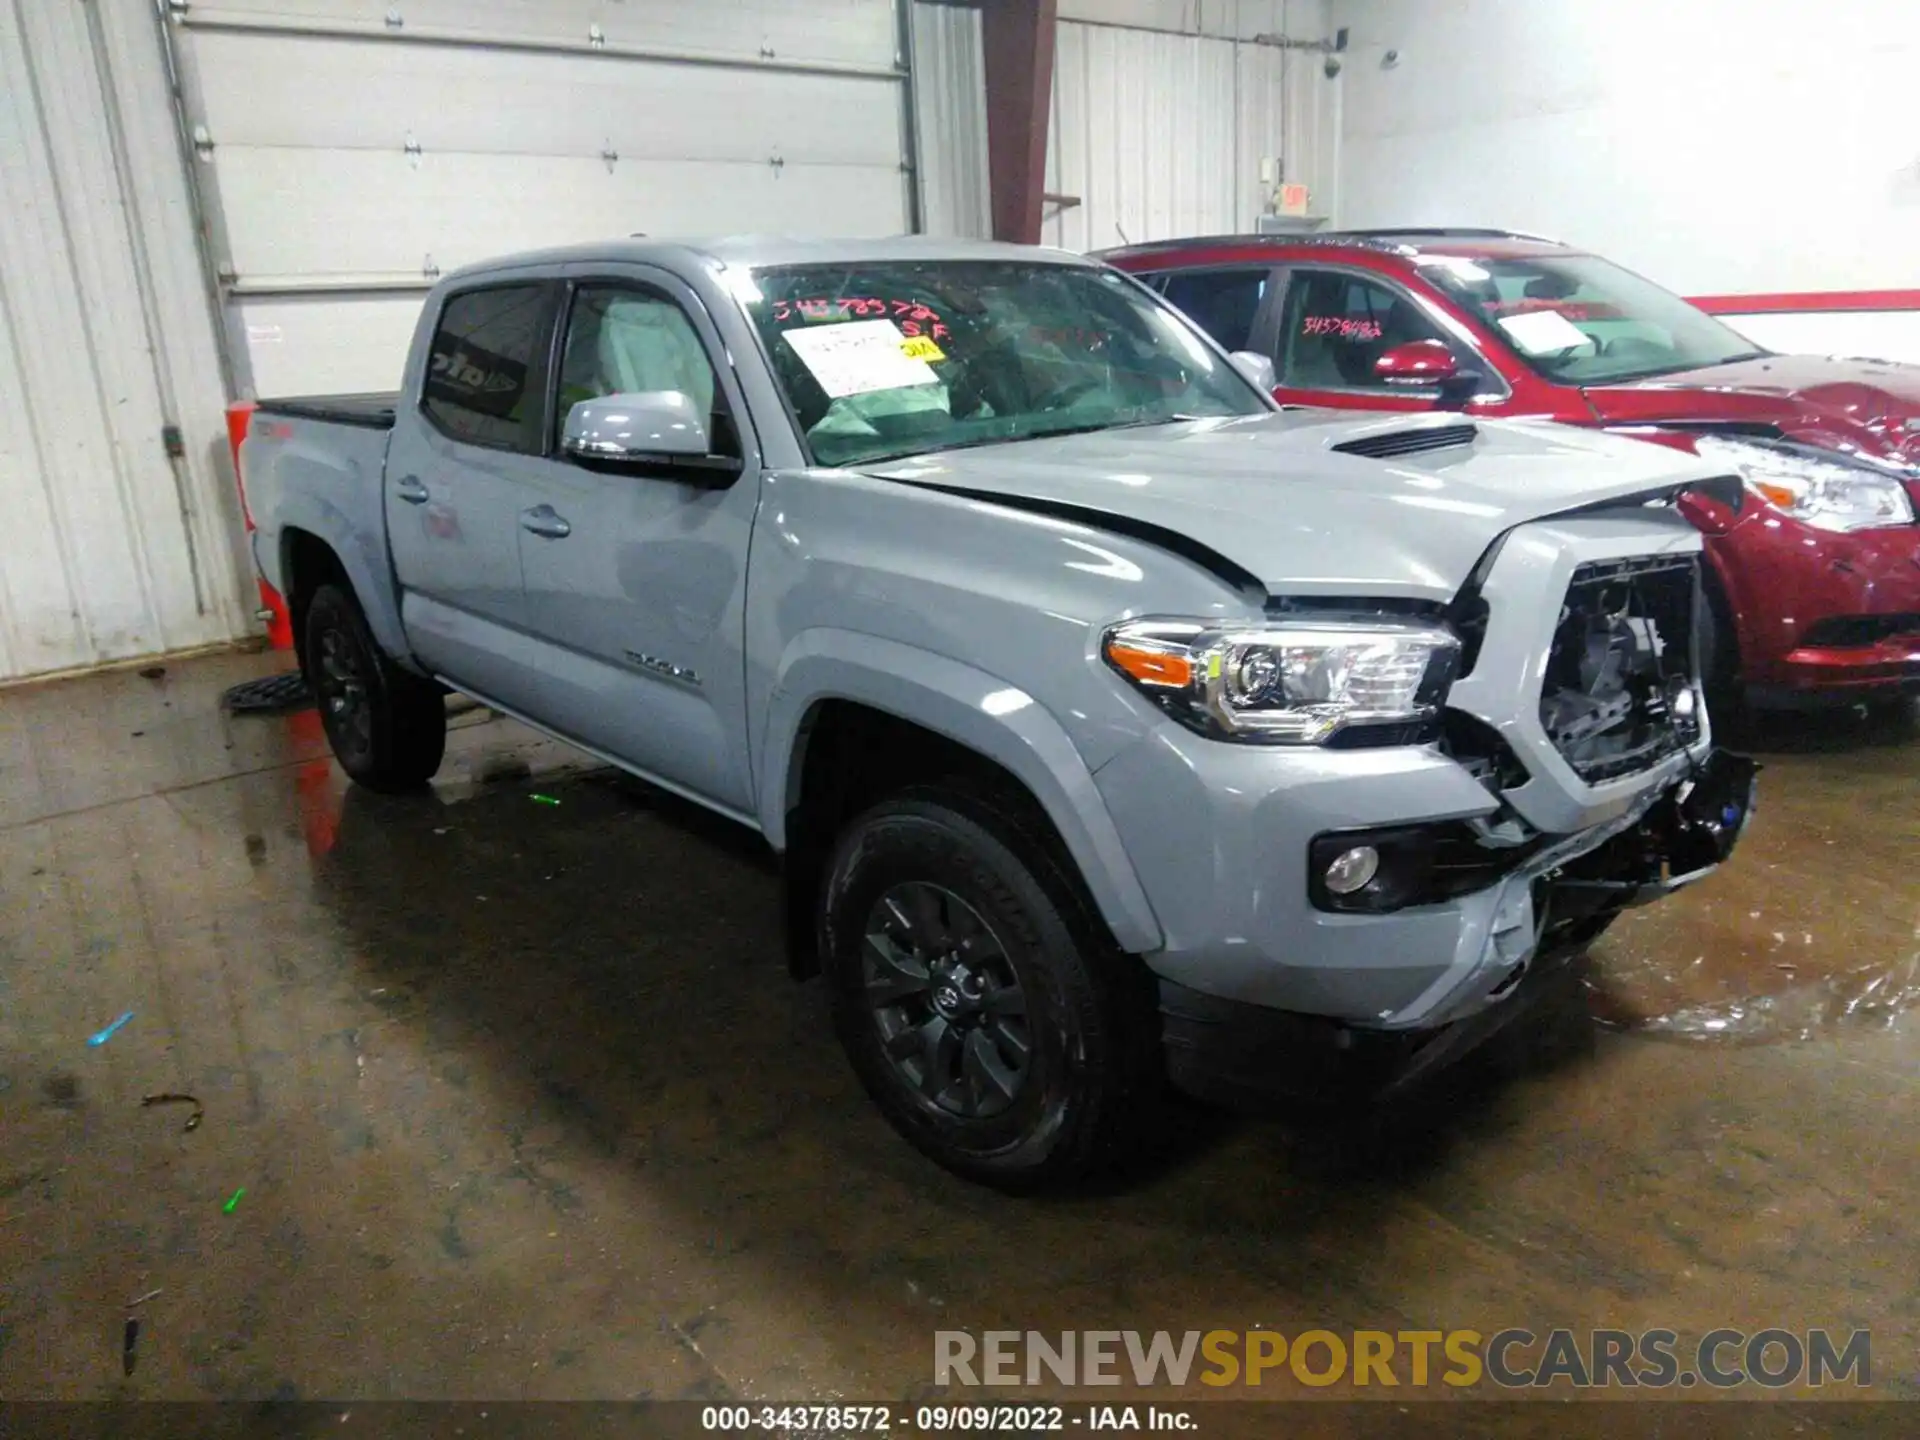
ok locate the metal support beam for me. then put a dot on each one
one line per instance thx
(905, 50)
(1017, 46)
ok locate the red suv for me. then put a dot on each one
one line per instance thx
(1814, 577)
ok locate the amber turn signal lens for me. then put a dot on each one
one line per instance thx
(1776, 495)
(1151, 667)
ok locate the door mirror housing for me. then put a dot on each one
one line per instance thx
(1257, 368)
(647, 429)
(1430, 363)
(1418, 362)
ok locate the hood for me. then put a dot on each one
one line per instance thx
(1271, 496)
(1873, 405)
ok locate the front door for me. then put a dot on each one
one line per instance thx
(635, 581)
(1334, 325)
(454, 482)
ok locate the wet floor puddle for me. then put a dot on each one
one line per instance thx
(1759, 984)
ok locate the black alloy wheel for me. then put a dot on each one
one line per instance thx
(340, 678)
(981, 1003)
(946, 1000)
(387, 725)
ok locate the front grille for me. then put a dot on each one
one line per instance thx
(1408, 442)
(1619, 695)
(1842, 632)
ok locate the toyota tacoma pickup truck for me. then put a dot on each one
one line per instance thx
(1114, 727)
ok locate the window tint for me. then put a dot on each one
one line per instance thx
(1221, 302)
(481, 382)
(625, 341)
(1335, 326)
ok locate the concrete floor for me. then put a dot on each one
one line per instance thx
(524, 1105)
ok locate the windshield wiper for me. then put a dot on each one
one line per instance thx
(1093, 428)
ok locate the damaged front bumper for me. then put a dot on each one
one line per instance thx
(1523, 932)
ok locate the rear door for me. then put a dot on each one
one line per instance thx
(1232, 303)
(1334, 325)
(465, 448)
(635, 580)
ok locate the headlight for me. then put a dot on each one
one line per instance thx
(1287, 683)
(1822, 490)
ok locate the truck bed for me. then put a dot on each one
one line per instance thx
(372, 411)
(317, 464)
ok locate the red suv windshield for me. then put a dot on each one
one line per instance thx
(1581, 321)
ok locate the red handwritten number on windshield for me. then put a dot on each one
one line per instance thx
(911, 316)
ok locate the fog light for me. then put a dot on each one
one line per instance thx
(1353, 869)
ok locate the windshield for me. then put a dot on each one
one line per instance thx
(1579, 320)
(883, 360)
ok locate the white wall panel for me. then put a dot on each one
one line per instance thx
(845, 32)
(344, 153)
(328, 344)
(1720, 147)
(1223, 19)
(949, 83)
(1883, 335)
(332, 94)
(110, 551)
(1144, 133)
(1160, 132)
(321, 214)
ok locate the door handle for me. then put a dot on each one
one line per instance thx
(545, 520)
(409, 489)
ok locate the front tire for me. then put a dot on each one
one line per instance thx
(387, 726)
(1725, 692)
(984, 1010)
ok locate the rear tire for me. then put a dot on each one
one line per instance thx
(983, 1008)
(387, 726)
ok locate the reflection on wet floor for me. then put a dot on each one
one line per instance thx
(524, 1105)
(1815, 925)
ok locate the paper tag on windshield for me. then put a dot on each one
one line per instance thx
(1542, 332)
(858, 357)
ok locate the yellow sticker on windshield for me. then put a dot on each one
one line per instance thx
(920, 347)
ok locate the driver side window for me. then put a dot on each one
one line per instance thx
(1335, 326)
(622, 340)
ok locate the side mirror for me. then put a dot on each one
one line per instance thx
(1430, 363)
(652, 427)
(1257, 368)
(1418, 362)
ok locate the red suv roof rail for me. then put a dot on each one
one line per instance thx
(1383, 238)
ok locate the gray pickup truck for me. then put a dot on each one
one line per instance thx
(1114, 727)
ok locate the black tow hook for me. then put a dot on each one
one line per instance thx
(1709, 811)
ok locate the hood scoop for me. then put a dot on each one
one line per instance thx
(1395, 443)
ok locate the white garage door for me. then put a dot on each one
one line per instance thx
(351, 150)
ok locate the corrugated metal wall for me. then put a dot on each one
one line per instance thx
(1160, 134)
(949, 82)
(109, 548)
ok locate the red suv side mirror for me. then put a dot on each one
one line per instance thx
(1418, 362)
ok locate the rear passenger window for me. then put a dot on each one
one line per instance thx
(481, 383)
(1221, 302)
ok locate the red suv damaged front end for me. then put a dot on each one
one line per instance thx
(1815, 565)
